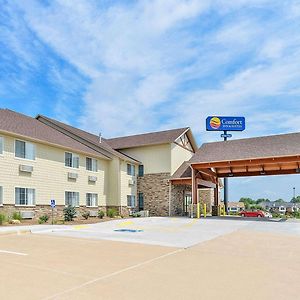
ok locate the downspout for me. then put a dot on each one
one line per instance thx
(170, 195)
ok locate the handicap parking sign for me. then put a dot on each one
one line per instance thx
(52, 203)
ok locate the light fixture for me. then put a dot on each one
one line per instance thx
(230, 175)
(298, 170)
(262, 173)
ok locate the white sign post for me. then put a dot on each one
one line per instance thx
(52, 203)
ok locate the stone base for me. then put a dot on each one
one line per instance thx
(40, 210)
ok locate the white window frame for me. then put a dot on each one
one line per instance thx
(131, 201)
(76, 200)
(93, 202)
(26, 196)
(131, 169)
(94, 164)
(74, 156)
(1, 195)
(1, 145)
(26, 156)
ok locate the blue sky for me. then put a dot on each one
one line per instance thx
(122, 67)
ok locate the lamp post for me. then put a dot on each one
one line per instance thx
(294, 193)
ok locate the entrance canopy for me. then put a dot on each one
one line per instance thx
(270, 155)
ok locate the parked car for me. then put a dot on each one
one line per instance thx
(255, 214)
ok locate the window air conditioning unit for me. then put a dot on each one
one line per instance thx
(93, 213)
(24, 168)
(92, 178)
(27, 214)
(131, 182)
(72, 175)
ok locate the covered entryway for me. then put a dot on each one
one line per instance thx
(262, 156)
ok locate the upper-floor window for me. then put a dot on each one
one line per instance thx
(141, 170)
(91, 164)
(1, 195)
(24, 196)
(130, 200)
(91, 200)
(24, 150)
(72, 198)
(1, 144)
(71, 160)
(130, 169)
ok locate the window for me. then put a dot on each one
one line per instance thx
(131, 200)
(1, 195)
(141, 201)
(91, 200)
(141, 170)
(1, 144)
(24, 196)
(130, 169)
(91, 164)
(71, 160)
(71, 198)
(24, 150)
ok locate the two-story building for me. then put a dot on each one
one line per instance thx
(43, 159)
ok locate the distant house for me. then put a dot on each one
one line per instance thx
(280, 207)
(236, 206)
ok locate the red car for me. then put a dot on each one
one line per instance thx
(253, 214)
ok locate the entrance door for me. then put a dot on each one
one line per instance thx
(141, 201)
(187, 203)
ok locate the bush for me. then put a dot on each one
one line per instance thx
(43, 219)
(85, 215)
(101, 214)
(16, 216)
(112, 212)
(2, 219)
(69, 213)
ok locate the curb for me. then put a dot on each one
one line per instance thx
(15, 232)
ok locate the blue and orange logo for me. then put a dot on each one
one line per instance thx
(215, 123)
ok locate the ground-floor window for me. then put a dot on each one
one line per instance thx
(1, 195)
(91, 200)
(24, 196)
(141, 201)
(131, 200)
(71, 198)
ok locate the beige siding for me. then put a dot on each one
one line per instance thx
(126, 188)
(156, 159)
(178, 156)
(114, 182)
(49, 176)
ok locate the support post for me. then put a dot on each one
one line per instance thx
(170, 197)
(225, 182)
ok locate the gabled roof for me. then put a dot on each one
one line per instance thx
(184, 171)
(93, 139)
(25, 126)
(249, 148)
(152, 138)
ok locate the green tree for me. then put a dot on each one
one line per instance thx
(260, 200)
(279, 201)
(296, 200)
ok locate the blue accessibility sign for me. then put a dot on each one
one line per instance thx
(52, 203)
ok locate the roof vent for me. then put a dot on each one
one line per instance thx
(100, 138)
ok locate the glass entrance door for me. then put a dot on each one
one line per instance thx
(187, 203)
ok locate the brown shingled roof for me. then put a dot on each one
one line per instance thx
(146, 139)
(89, 137)
(19, 124)
(250, 148)
(184, 171)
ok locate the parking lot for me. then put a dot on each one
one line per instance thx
(153, 258)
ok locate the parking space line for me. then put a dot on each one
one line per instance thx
(113, 274)
(12, 252)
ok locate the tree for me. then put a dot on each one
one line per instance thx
(279, 201)
(247, 200)
(296, 200)
(260, 200)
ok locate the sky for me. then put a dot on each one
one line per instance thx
(125, 67)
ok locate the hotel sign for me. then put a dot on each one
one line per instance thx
(225, 123)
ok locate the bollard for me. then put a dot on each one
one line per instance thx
(198, 210)
(204, 210)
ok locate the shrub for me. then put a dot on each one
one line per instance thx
(69, 213)
(2, 219)
(101, 214)
(112, 212)
(16, 216)
(85, 215)
(43, 219)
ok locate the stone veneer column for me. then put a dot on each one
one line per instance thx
(155, 188)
